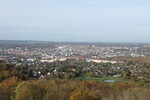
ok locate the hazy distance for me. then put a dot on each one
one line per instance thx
(75, 20)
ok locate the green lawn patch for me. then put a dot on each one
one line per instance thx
(101, 78)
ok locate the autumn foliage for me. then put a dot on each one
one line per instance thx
(15, 86)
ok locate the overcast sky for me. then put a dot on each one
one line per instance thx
(75, 20)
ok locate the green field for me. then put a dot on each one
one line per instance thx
(101, 79)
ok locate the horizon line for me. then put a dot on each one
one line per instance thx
(77, 41)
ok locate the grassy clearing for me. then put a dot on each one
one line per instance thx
(102, 78)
